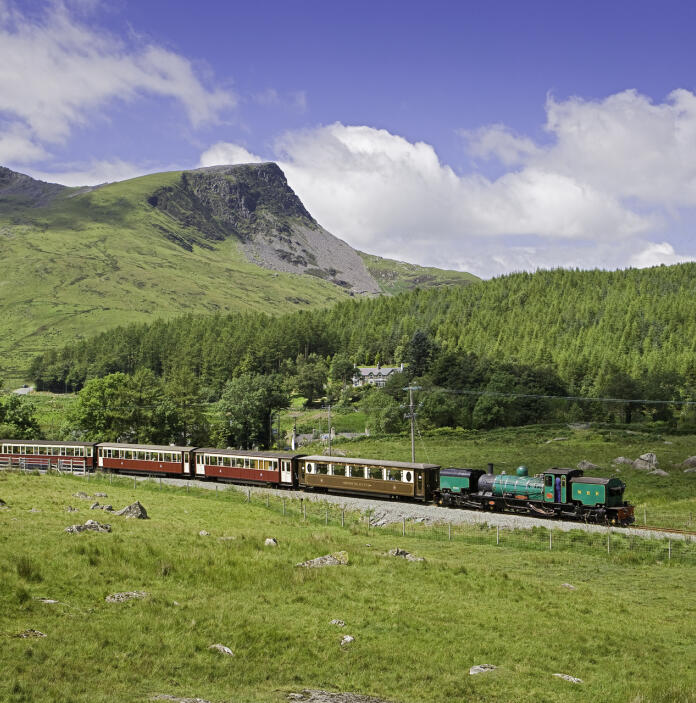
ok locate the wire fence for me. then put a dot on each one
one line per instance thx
(618, 545)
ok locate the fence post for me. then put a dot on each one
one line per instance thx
(449, 531)
(497, 534)
(550, 540)
(248, 500)
(160, 482)
(669, 548)
(133, 481)
(304, 509)
(268, 505)
(645, 515)
(343, 517)
(403, 527)
(216, 489)
(609, 541)
(187, 487)
(111, 479)
(283, 506)
(326, 516)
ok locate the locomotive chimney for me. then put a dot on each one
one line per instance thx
(490, 468)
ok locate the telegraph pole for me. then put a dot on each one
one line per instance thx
(328, 407)
(411, 414)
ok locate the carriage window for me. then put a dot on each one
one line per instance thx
(139, 455)
(310, 468)
(409, 477)
(89, 451)
(357, 471)
(29, 450)
(375, 472)
(129, 454)
(226, 461)
(338, 470)
(394, 475)
(70, 451)
(322, 468)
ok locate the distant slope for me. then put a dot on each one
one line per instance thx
(398, 276)
(77, 261)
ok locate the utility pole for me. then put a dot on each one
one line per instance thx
(328, 407)
(411, 414)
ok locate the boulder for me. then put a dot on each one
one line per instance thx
(690, 471)
(82, 494)
(100, 495)
(404, 555)
(134, 510)
(89, 525)
(271, 542)
(346, 640)
(586, 465)
(222, 649)
(646, 462)
(689, 463)
(335, 559)
(569, 586)
(96, 506)
(125, 596)
(481, 669)
(203, 533)
(30, 633)
(568, 677)
(338, 623)
(315, 696)
(658, 472)
(177, 699)
(622, 460)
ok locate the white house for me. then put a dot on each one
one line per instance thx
(374, 375)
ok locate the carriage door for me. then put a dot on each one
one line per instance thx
(200, 464)
(187, 462)
(285, 471)
(564, 486)
(100, 451)
(548, 488)
(420, 491)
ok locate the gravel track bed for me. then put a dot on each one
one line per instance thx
(385, 512)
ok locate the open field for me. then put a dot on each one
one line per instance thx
(625, 630)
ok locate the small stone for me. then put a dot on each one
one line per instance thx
(100, 495)
(125, 596)
(48, 601)
(556, 439)
(134, 510)
(89, 525)
(70, 509)
(404, 555)
(177, 699)
(346, 640)
(82, 494)
(30, 633)
(667, 442)
(586, 465)
(689, 462)
(203, 533)
(481, 669)
(271, 542)
(338, 623)
(335, 559)
(222, 649)
(569, 586)
(690, 471)
(568, 677)
(658, 472)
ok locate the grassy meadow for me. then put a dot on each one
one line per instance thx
(418, 627)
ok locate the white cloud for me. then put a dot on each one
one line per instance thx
(656, 254)
(224, 153)
(386, 195)
(57, 73)
(500, 142)
(94, 173)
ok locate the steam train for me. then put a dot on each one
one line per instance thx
(555, 493)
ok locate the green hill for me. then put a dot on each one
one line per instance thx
(78, 261)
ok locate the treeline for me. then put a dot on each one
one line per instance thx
(620, 334)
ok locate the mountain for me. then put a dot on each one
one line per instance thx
(226, 238)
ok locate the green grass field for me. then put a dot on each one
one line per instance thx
(418, 627)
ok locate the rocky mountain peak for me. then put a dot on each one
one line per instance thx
(25, 190)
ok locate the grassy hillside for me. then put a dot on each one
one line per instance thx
(99, 259)
(418, 627)
(398, 276)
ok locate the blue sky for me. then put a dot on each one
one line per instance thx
(489, 137)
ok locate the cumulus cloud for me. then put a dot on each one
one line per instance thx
(93, 173)
(56, 73)
(656, 254)
(224, 153)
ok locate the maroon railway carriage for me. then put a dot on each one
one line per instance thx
(243, 466)
(145, 458)
(41, 454)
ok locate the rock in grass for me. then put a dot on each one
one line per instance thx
(335, 559)
(100, 495)
(658, 472)
(690, 471)
(134, 510)
(481, 669)
(176, 699)
(311, 696)
(622, 460)
(271, 542)
(568, 677)
(586, 465)
(338, 623)
(204, 533)
(70, 509)
(96, 506)
(404, 555)
(125, 596)
(89, 525)
(222, 649)
(689, 462)
(569, 586)
(82, 494)
(346, 640)
(646, 462)
(3, 505)
(30, 633)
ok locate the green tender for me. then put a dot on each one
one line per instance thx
(456, 484)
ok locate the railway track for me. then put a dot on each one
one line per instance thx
(668, 530)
